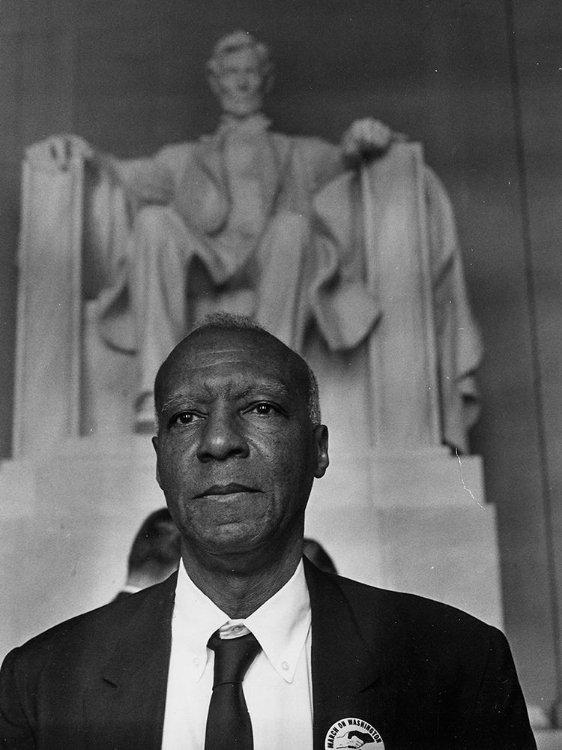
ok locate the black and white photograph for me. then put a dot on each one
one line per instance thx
(281, 374)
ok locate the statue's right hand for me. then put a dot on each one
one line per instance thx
(60, 151)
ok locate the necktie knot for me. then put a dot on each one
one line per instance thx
(233, 657)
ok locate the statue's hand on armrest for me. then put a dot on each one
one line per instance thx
(366, 139)
(59, 151)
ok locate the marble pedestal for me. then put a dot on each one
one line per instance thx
(413, 522)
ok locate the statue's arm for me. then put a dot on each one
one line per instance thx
(144, 180)
(364, 140)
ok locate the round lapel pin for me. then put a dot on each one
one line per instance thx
(352, 733)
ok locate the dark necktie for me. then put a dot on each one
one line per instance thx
(228, 722)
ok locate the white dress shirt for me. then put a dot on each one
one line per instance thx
(277, 686)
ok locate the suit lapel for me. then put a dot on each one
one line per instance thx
(125, 705)
(360, 670)
(350, 677)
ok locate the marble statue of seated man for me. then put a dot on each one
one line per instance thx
(238, 202)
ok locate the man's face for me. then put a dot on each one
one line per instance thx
(239, 85)
(236, 450)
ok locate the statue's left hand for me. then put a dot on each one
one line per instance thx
(366, 138)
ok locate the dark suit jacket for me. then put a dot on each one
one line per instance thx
(423, 674)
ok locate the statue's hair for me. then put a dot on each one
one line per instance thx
(232, 322)
(235, 42)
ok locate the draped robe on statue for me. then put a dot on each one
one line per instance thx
(285, 232)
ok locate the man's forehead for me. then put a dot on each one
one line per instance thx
(250, 353)
(209, 341)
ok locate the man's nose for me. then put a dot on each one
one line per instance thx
(222, 437)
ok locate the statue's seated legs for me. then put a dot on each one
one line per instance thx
(163, 273)
(161, 248)
(278, 268)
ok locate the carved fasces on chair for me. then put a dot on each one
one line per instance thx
(68, 243)
(47, 388)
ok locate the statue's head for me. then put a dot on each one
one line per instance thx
(240, 72)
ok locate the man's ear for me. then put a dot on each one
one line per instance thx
(322, 458)
(155, 444)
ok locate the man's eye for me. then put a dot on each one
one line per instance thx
(263, 409)
(184, 418)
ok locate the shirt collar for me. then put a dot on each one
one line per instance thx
(281, 624)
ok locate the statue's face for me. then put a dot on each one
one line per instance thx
(239, 85)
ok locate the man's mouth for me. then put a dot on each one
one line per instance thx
(226, 489)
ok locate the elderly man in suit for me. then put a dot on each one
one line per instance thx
(250, 646)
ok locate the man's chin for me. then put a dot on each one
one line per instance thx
(234, 543)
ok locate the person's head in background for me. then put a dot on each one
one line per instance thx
(316, 553)
(155, 552)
